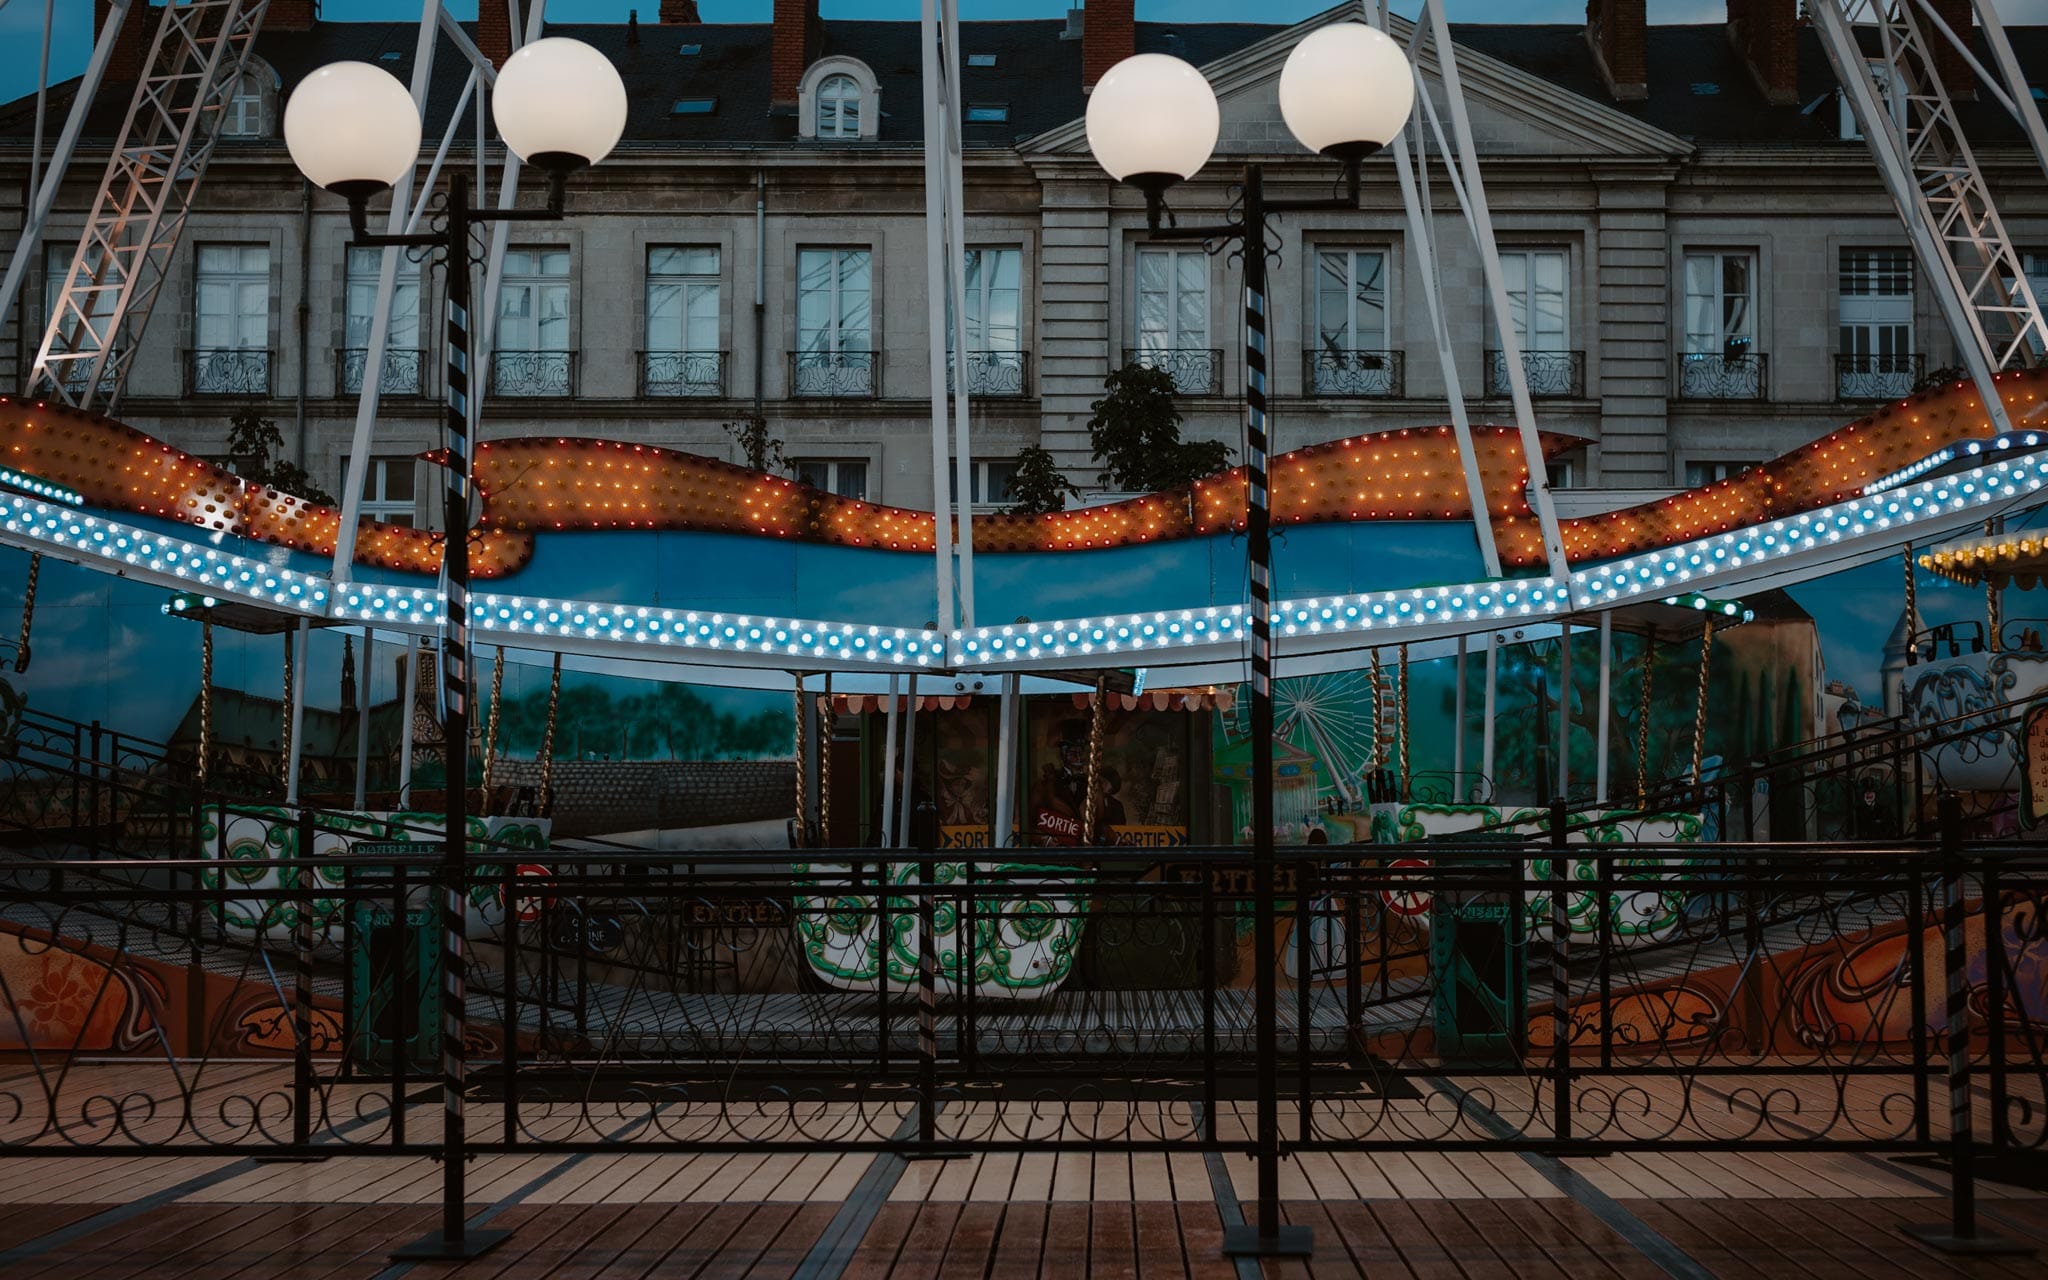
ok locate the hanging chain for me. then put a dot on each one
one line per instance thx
(284, 763)
(1093, 801)
(1699, 715)
(547, 741)
(491, 727)
(1643, 720)
(1994, 597)
(1912, 607)
(1379, 715)
(28, 612)
(803, 819)
(205, 702)
(825, 729)
(1406, 777)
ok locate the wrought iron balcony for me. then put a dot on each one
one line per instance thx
(833, 375)
(1196, 371)
(992, 373)
(682, 373)
(402, 371)
(1335, 373)
(1877, 377)
(228, 371)
(1717, 375)
(74, 374)
(1552, 375)
(534, 374)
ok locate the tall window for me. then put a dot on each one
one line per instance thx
(56, 271)
(1894, 105)
(834, 340)
(1539, 308)
(839, 107)
(532, 355)
(244, 116)
(846, 478)
(989, 481)
(1350, 355)
(402, 355)
(1173, 317)
(683, 356)
(390, 492)
(231, 320)
(1877, 359)
(1712, 472)
(994, 325)
(1719, 360)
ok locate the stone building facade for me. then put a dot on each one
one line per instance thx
(1707, 271)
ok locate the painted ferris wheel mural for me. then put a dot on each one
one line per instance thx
(1328, 721)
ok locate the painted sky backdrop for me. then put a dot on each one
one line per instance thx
(21, 22)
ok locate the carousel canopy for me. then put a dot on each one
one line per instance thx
(2019, 559)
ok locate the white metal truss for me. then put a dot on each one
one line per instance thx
(1909, 120)
(174, 120)
(946, 305)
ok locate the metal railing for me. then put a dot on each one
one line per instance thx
(992, 374)
(74, 374)
(1877, 377)
(682, 373)
(1715, 375)
(227, 371)
(403, 375)
(1196, 371)
(1551, 375)
(533, 374)
(1350, 374)
(834, 375)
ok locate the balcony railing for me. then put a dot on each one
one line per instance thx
(74, 374)
(1877, 377)
(1552, 375)
(1196, 371)
(534, 374)
(1716, 375)
(1334, 373)
(833, 375)
(402, 371)
(228, 371)
(992, 373)
(682, 373)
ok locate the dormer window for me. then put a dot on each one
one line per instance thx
(244, 118)
(839, 101)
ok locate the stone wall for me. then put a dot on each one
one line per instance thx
(593, 797)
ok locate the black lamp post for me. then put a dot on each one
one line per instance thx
(1153, 121)
(353, 129)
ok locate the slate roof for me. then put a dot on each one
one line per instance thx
(1699, 87)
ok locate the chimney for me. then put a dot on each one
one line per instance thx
(1109, 34)
(1956, 76)
(132, 45)
(798, 39)
(677, 12)
(494, 31)
(291, 15)
(1618, 32)
(1766, 34)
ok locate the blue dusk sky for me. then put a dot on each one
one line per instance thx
(21, 22)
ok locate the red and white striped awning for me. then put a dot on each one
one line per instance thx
(1206, 698)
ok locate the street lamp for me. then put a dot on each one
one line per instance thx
(1345, 92)
(353, 129)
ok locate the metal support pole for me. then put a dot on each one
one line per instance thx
(296, 712)
(410, 696)
(1600, 770)
(1458, 725)
(1564, 711)
(938, 292)
(1486, 724)
(1006, 764)
(886, 837)
(368, 673)
(905, 804)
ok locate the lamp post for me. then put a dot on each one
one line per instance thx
(1345, 93)
(352, 128)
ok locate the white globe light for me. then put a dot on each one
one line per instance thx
(352, 128)
(1346, 91)
(1152, 121)
(559, 104)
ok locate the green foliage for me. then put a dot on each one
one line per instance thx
(257, 449)
(758, 445)
(1039, 487)
(1136, 433)
(651, 722)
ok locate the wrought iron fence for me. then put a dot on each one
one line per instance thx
(537, 374)
(1877, 377)
(1715, 375)
(992, 373)
(227, 371)
(1551, 375)
(402, 375)
(1355, 373)
(682, 373)
(1196, 371)
(837, 375)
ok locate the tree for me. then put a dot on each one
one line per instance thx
(257, 450)
(1136, 433)
(1038, 487)
(758, 445)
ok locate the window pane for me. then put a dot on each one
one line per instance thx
(853, 481)
(818, 475)
(702, 330)
(664, 316)
(398, 479)
(554, 262)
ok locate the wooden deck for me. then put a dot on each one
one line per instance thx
(1459, 1215)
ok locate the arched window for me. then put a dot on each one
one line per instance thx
(244, 117)
(839, 107)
